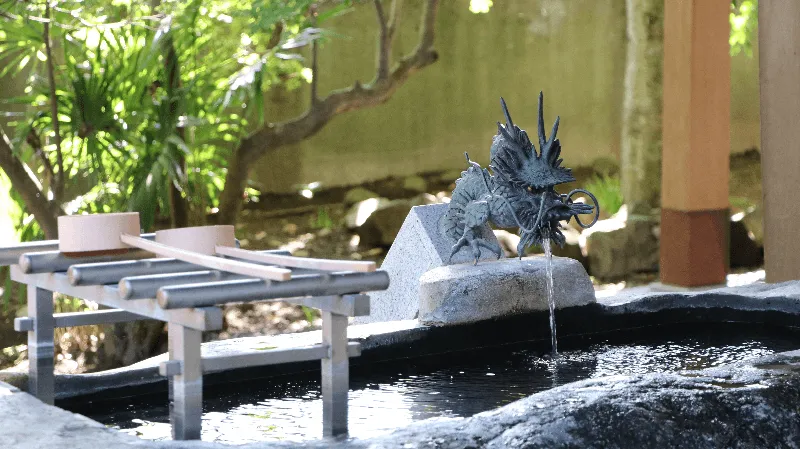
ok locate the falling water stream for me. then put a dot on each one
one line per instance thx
(551, 301)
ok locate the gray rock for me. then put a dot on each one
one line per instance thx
(758, 297)
(572, 248)
(417, 248)
(383, 225)
(741, 406)
(359, 212)
(15, 377)
(458, 294)
(745, 252)
(28, 423)
(7, 389)
(378, 220)
(625, 248)
(358, 194)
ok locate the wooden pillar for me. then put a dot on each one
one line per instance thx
(778, 49)
(696, 143)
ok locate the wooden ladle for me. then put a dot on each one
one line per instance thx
(81, 235)
(220, 240)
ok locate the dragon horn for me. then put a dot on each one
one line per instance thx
(505, 132)
(509, 122)
(542, 138)
(552, 157)
(545, 144)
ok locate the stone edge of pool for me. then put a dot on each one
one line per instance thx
(751, 402)
(778, 303)
(772, 303)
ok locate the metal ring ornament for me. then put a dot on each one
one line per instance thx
(596, 207)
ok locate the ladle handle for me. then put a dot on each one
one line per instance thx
(297, 262)
(213, 262)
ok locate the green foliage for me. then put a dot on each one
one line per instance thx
(309, 314)
(149, 98)
(744, 25)
(323, 219)
(608, 191)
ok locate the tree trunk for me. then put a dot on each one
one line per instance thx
(45, 211)
(179, 205)
(641, 122)
(230, 201)
(180, 208)
(128, 343)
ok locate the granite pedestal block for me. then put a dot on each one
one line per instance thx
(418, 247)
(460, 294)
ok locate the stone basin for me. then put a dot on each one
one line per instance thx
(752, 403)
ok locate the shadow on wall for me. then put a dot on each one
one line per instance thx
(572, 50)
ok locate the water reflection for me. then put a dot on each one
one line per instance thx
(385, 396)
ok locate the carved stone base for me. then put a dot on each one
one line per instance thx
(466, 293)
(418, 247)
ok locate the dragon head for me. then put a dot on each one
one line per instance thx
(515, 160)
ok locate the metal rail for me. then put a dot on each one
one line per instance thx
(113, 272)
(55, 261)
(72, 319)
(214, 293)
(136, 286)
(202, 319)
(9, 255)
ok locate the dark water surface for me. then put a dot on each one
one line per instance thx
(388, 395)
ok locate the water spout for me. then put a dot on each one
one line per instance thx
(551, 301)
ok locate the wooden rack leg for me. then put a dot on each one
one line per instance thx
(186, 388)
(335, 375)
(41, 377)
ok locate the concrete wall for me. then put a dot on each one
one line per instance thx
(573, 50)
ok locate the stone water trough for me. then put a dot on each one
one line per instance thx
(456, 355)
(744, 403)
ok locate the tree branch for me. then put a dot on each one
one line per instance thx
(275, 38)
(394, 17)
(387, 28)
(314, 59)
(384, 43)
(275, 135)
(46, 212)
(58, 188)
(314, 73)
(35, 142)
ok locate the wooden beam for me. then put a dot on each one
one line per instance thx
(696, 142)
(779, 79)
(297, 262)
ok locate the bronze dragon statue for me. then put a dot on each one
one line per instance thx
(518, 193)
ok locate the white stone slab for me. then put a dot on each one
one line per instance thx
(459, 294)
(417, 248)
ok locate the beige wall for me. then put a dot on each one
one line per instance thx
(573, 50)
